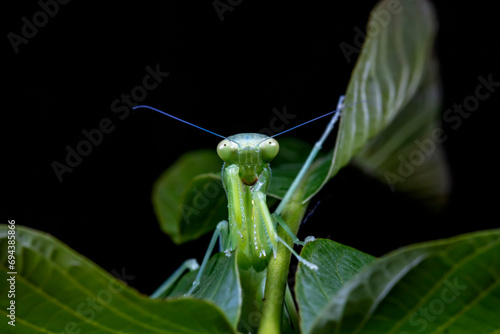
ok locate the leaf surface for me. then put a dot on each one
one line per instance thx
(408, 155)
(189, 198)
(219, 284)
(444, 286)
(337, 264)
(59, 291)
(391, 67)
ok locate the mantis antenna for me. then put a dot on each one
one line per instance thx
(176, 118)
(218, 135)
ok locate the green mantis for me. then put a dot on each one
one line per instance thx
(246, 174)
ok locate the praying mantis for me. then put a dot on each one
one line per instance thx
(246, 174)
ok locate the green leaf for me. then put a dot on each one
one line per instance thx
(337, 265)
(189, 198)
(219, 284)
(60, 291)
(408, 155)
(444, 286)
(388, 72)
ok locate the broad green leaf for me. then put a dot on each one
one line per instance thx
(219, 284)
(408, 156)
(387, 74)
(444, 286)
(337, 265)
(60, 291)
(189, 198)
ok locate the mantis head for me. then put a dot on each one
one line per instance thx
(251, 151)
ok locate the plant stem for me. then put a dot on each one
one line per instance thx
(291, 210)
(277, 271)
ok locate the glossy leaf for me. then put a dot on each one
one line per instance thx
(408, 155)
(219, 284)
(189, 198)
(337, 265)
(388, 72)
(444, 286)
(60, 291)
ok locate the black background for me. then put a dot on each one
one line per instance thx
(226, 76)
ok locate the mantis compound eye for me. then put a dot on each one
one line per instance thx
(269, 149)
(227, 150)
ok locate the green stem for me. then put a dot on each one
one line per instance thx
(292, 210)
(277, 271)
